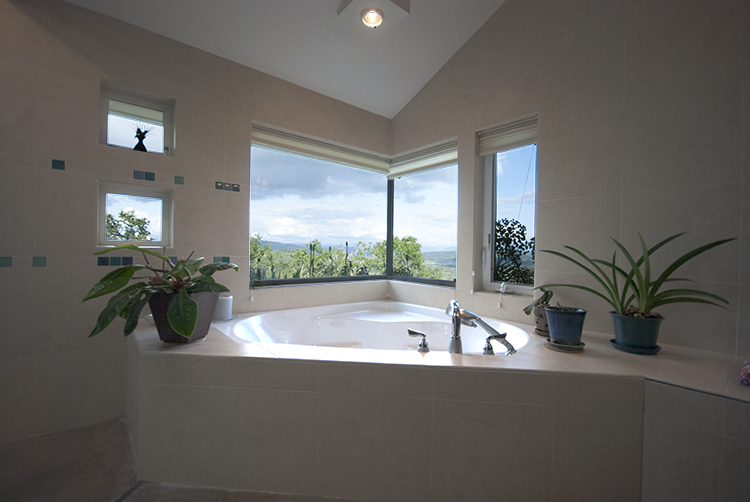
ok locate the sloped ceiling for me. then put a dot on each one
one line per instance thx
(307, 42)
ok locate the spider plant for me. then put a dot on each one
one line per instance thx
(620, 288)
(180, 279)
(541, 301)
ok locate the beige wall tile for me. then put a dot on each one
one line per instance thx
(19, 399)
(734, 482)
(512, 96)
(264, 440)
(378, 380)
(681, 89)
(19, 128)
(680, 462)
(743, 321)
(473, 440)
(592, 446)
(568, 25)
(744, 233)
(265, 374)
(174, 448)
(697, 409)
(493, 386)
(599, 391)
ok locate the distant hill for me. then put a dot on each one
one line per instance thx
(445, 258)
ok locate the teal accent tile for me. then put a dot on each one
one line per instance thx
(115, 261)
(224, 259)
(127, 260)
(179, 180)
(39, 261)
(235, 187)
(6, 261)
(102, 261)
(173, 258)
(220, 185)
(228, 186)
(138, 175)
(217, 259)
(58, 164)
(150, 176)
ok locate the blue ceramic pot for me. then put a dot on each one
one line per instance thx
(636, 332)
(565, 325)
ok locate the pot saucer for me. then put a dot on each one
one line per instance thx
(564, 347)
(636, 350)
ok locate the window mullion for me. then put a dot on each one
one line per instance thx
(389, 231)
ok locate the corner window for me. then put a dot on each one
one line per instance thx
(510, 214)
(130, 214)
(136, 120)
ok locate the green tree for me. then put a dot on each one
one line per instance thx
(127, 227)
(511, 247)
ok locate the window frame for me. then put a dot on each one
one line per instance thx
(137, 98)
(167, 216)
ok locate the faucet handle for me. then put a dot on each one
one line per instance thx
(488, 351)
(423, 347)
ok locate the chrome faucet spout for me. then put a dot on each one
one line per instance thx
(454, 311)
(460, 316)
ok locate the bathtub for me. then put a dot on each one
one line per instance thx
(367, 325)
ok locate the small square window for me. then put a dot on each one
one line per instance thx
(130, 214)
(136, 120)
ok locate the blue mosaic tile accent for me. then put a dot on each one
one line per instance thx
(6, 261)
(39, 261)
(150, 176)
(235, 188)
(115, 261)
(138, 175)
(127, 260)
(228, 186)
(220, 185)
(179, 180)
(217, 259)
(102, 261)
(173, 259)
(224, 259)
(58, 164)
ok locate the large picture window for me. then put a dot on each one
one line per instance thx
(314, 219)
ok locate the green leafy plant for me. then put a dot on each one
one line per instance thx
(184, 278)
(620, 287)
(541, 301)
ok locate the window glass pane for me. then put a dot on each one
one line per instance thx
(124, 120)
(133, 218)
(425, 219)
(310, 218)
(515, 208)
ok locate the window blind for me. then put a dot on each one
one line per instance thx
(292, 143)
(136, 112)
(507, 136)
(442, 155)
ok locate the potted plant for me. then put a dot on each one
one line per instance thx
(637, 326)
(540, 316)
(182, 295)
(565, 327)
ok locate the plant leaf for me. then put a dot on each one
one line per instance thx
(210, 268)
(684, 258)
(186, 268)
(134, 314)
(113, 281)
(683, 299)
(133, 247)
(118, 303)
(584, 288)
(182, 313)
(207, 287)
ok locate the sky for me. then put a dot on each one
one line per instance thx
(121, 132)
(516, 186)
(145, 207)
(296, 199)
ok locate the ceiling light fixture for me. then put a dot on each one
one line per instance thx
(372, 18)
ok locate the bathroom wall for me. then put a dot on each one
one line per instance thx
(53, 57)
(644, 126)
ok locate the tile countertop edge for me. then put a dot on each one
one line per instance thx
(693, 369)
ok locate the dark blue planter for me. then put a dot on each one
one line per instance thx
(639, 333)
(565, 325)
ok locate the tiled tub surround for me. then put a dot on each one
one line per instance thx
(398, 425)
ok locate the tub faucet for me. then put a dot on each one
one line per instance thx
(460, 316)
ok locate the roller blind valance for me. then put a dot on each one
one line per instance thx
(299, 145)
(442, 155)
(136, 112)
(507, 136)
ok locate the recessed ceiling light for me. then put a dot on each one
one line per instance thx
(372, 18)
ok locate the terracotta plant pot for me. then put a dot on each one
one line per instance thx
(159, 304)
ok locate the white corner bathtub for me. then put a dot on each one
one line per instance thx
(367, 325)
